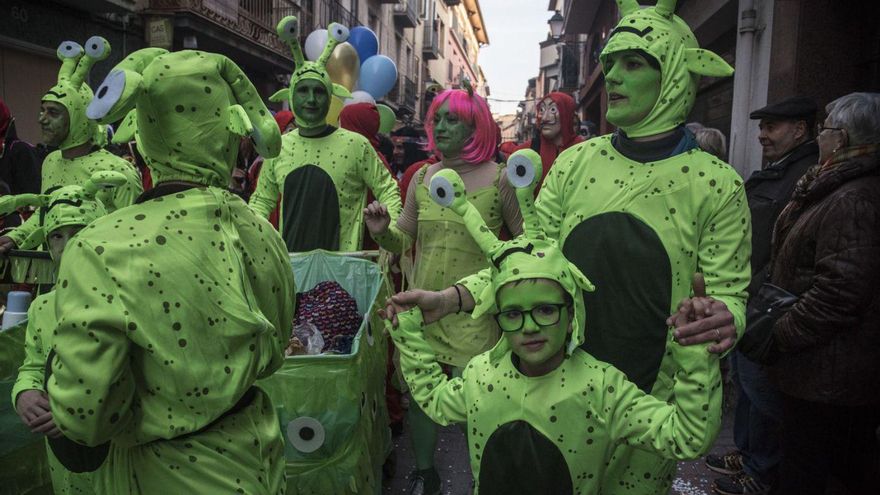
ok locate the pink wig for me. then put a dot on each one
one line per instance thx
(473, 110)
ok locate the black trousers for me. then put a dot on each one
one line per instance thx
(823, 440)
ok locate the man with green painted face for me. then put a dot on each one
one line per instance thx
(64, 125)
(639, 212)
(323, 173)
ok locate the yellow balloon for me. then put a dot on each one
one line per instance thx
(335, 109)
(344, 66)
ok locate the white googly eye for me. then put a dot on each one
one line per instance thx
(69, 49)
(520, 171)
(338, 32)
(107, 95)
(97, 48)
(442, 192)
(289, 29)
(306, 434)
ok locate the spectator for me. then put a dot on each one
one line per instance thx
(824, 354)
(19, 167)
(751, 468)
(712, 141)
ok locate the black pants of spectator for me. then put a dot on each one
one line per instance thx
(823, 440)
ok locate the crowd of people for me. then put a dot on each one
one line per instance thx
(567, 300)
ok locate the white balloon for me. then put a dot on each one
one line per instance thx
(360, 96)
(315, 42)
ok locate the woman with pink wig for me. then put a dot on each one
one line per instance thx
(462, 133)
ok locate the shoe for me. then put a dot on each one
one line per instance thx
(424, 482)
(730, 463)
(740, 484)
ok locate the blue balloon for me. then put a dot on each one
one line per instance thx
(364, 41)
(378, 76)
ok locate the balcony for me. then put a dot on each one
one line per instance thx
(404, 94)
(451, 3)
(254, 20)
(405, 14)
(325, 12)
(430, 43)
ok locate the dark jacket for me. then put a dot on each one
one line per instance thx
(768, 191)
(19, 167)
(826, 248)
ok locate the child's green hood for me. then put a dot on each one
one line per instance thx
(531, 255)
(664, 36)
(190, 110)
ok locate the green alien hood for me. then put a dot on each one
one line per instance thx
(71, 89)
(191, 108)
(531, 255)
(664, 36)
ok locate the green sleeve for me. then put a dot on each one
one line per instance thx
(126, 194)
(441, 398)
(724, 252)
(265, 196)
(92, 386)
(550, 198)
(393, 239)
(682, 429)
(23, 231)
(31, 371)
(381, 183)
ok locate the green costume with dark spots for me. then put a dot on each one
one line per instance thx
(640, 231)
(171, 309)
(321, 181)
(552, 433)
(74, 94)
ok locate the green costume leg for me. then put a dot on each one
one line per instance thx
(424, 436)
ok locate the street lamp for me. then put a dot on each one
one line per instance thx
(555, 23)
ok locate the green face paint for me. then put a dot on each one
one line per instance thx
(450, 132)
(633, 87)
(311, 102)
(54, 123)
(540, 349)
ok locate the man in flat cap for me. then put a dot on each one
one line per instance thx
(789, 149)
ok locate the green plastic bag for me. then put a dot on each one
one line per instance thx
(22, 454)
(332, 406)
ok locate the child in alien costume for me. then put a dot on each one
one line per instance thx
(639, 212)
(171, 309)
(543, 415)
(59, 169)
(323, 173)
(66, 211)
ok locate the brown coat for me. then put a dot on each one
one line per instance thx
(826, 248)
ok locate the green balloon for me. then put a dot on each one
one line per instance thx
(386, 118)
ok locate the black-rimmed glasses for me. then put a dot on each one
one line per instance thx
(820, 128)
(544, 315)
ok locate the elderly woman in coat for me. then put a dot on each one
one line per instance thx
(824, 353)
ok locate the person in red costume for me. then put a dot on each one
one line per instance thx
(363, 118)
(555, 121)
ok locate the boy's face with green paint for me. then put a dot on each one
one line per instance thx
(539, 308)
(633, 86)
(54, 123)
(450, 132)
(311, 102)
(58, 238)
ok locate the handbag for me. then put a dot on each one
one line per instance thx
(768, 305)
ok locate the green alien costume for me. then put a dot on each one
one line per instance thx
(69, 205)
(322, 181)
(552, 433)
(74, 94)
(640, 230)
(170, 310)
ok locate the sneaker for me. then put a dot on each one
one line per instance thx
(730, 463)
(740, 484)
(424, 482)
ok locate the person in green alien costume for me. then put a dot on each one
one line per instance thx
(170, 310)
(323, 173)
(65, 125)
(542, 414)
(66, 211)
(640, 212)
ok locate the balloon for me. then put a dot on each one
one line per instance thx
(364, 40)
(344, 66)
(360, 97)
(378, 76)
(334, 111)
(386, 118)
(315, 44)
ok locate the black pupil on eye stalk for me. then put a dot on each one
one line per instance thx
(441, 192)
(306, 433)
(521, 170)
(94, 46)
(102, 91)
